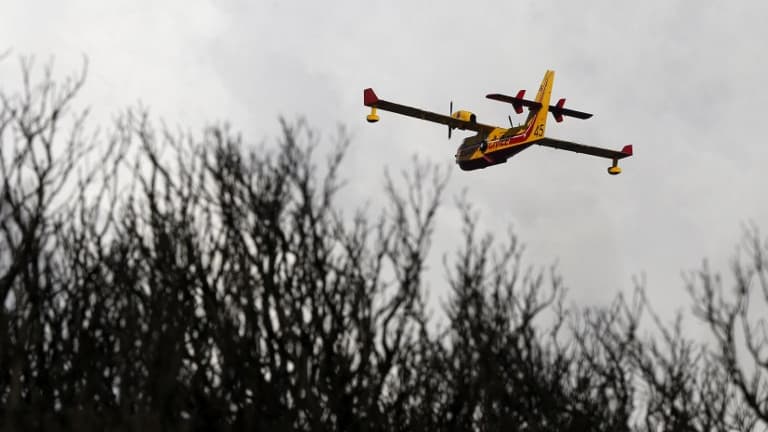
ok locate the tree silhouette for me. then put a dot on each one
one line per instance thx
(737, 325)
(154, 280)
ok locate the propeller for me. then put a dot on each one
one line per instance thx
(450, 111)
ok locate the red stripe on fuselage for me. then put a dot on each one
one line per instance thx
(507, 141)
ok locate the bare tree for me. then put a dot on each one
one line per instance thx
(671, 382)
(42, 143)
(507, 360)
(737, 323)
(157, 280)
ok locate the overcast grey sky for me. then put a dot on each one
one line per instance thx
(683, 81)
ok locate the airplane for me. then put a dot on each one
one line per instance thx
(493, 145)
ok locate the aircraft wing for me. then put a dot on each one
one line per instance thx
(581, 148)
(370, 99)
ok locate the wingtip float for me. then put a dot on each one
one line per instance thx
(492, 145)
(370, 100)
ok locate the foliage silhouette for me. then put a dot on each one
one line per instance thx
(153, 280)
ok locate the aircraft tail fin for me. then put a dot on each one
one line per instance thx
(558, 110)
(538, 118)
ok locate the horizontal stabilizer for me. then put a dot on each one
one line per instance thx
(557, 110)
(517, 101)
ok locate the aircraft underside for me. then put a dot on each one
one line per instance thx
(491, 158)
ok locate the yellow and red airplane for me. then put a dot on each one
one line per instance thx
(493, 144)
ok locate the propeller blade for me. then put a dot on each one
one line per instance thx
(450, 111)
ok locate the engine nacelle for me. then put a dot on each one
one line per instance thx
(465, 115)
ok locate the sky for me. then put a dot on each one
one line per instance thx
(680, 80)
